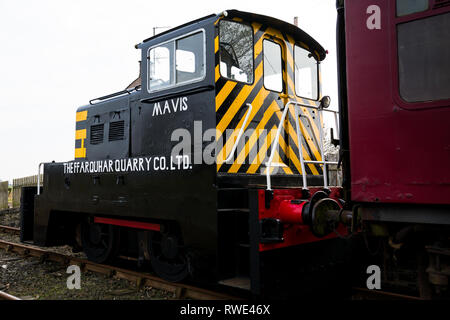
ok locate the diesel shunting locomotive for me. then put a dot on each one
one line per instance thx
(211, 166)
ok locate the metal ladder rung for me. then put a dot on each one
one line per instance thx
(321, 162)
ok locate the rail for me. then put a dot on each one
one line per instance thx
(297, 113)
(9, 229)
(6, 296)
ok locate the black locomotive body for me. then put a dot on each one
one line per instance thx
(175, 170)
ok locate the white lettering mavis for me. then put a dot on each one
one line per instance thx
(170, 106)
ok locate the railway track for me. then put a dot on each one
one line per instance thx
(5, 296)
(181, 291)
(366, 294)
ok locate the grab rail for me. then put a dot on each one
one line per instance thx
(275, 145)
(115, 94)
(39, 178)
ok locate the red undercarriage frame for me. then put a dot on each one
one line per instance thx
(295, 232)
(129, 224)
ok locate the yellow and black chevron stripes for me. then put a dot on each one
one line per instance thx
(259, 131)
(263, 154)
(80, 135)
(269, 115)
(256, 143)
(269, 112)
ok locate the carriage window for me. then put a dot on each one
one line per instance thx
(405, 7)
(305, 74)
(423, 63)
(236, 51)
(273, 76)
(177, 62)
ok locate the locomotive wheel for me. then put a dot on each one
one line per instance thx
(100, 241)
(167, 257)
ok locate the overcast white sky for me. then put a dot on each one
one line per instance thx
(57, 55)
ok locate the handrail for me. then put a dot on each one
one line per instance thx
(39, 178)
(115, 94)
(335, 118)
(275, 145)
(249, 110)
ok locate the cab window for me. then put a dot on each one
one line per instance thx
(236, 51)
(160, 67)
(306, 69)
(273, 73)
(177, 62)
(189, 58)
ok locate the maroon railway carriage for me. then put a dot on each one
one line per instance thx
(394, 85)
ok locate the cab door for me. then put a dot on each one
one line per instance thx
(275, 81)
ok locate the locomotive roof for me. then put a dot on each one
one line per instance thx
(283, 26)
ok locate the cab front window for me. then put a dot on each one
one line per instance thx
(236, 51)
(306, 70)
(273, 69)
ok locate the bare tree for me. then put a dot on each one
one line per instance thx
(332, 154)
